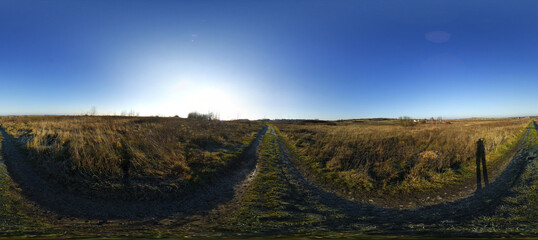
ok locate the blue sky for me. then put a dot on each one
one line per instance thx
(270, 59)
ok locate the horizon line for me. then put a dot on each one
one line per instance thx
(258, 119)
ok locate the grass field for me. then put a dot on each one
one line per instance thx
(386, 157)
(157, 157)
(278, 198)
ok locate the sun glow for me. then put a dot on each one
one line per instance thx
(165, 84)
(189, 96)
(211, 100)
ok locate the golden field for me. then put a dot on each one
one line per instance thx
(391, 157)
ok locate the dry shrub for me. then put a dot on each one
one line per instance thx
(433, 160)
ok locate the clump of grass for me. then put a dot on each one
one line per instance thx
(390, 158)
(159, 157)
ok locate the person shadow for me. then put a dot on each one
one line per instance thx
(481, 160)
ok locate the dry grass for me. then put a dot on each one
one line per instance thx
(386, 157)
(160, 155)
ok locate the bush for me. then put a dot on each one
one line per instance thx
(208, 116)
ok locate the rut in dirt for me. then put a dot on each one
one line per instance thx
(478, 204)
(50, 197)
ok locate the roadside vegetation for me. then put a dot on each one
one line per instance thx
(130, 157)
(393, 157)
(276, 201)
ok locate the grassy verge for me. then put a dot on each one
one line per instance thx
(276, 201)
(379, 160)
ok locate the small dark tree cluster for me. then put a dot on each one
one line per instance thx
(207, 116)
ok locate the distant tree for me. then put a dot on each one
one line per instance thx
(406, 121)
(208, 116)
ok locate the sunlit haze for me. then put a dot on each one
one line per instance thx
(270, 59)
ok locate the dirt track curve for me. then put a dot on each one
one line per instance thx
(50, 197)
